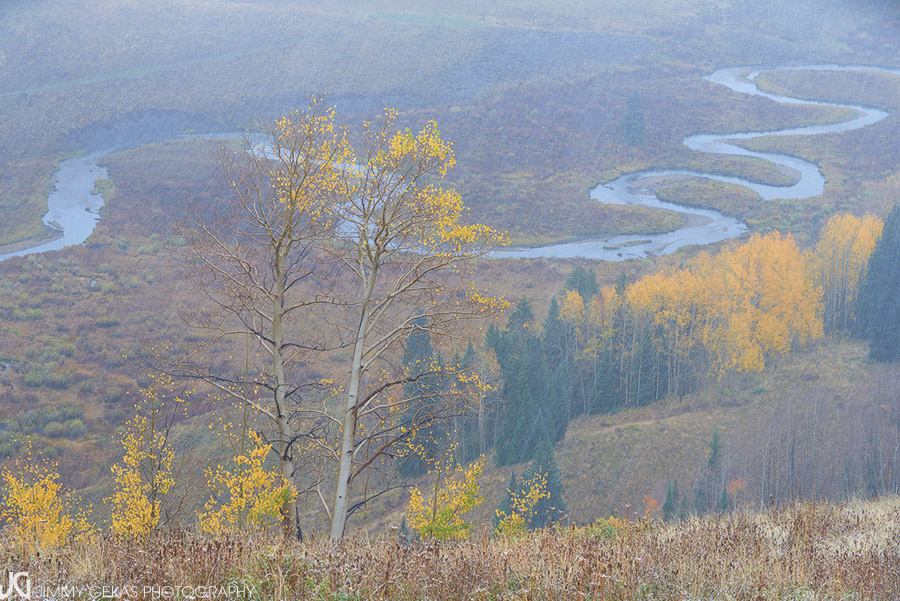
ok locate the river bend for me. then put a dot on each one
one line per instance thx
(705, 226)
(74, 211)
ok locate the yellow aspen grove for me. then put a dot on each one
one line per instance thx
(677, 307)
(770, 302)
(41, 515)
(729, 312)
(838, 265)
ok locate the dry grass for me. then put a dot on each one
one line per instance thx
(804, 551)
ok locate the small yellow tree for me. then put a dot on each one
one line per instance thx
(249, 495)
(521, 505)
(145, 474)
(454, 492)
(41, 515)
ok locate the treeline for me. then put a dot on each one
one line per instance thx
(601, 349)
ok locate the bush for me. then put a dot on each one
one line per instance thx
(112, 395)
(106, 322)
(35, 377)
(59, 380)
(73, 428)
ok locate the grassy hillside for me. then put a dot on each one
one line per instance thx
(77, 325)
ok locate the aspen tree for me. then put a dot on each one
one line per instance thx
(315, 250)
(402, 238)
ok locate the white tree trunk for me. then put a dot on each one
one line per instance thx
(348, 432)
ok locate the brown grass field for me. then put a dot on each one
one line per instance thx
(803, 551)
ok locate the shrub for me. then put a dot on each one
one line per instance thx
(40, 513)
(35, 377)
(58, 380)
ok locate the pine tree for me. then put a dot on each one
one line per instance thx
(670, 504)
(633, 121)
(526, 415)
(419, 358)
(722, 505)
(685, 508)
(584, 281)
(559, 370)
(878, 315)
(553, 508)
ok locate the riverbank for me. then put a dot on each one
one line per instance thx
(50, 235)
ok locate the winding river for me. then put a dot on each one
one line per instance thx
(73, 210)
(706, 226)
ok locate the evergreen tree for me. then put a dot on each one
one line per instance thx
(583, 281)
(526, 415)
(506, 503)
(670, 505)
(715, 450)
(685, 508)
(559, 370)
(553, 508)
(722, 506)
(878, 313)
(633, 121)
(707, 490)
(419, 358)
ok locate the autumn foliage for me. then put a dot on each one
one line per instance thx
(838, 265)
(144, 475)
(248, 495)
(42, 516)
(732, 312)
(437, 514)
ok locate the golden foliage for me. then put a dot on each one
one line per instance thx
(41, 514)
(838, 265)
(144, 475)
(723, 313)
(522, 503)
(248, 495)
(769, 301)
(455, 492)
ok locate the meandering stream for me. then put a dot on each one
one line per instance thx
(706, 226)
(74, 211)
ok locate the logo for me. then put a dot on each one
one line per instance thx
(15, 584)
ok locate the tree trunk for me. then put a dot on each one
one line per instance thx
(289, 515)
(348, 432)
